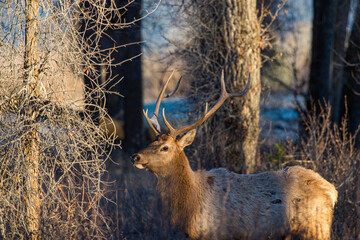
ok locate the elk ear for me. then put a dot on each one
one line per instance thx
(186, 139)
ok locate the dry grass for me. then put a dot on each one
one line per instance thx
(135, 206)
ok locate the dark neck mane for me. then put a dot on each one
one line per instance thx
(181, 192)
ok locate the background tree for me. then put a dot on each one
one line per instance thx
(225, 36)
(322, 45)
(352, 76)
(341, 43)
(127, 65)
(334, 71)
(121, 69)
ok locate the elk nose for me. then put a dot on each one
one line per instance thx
(135, 158)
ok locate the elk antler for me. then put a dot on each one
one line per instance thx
(153, 121)
(223, 96)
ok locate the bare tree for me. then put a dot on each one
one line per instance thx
(225, 35)
(31, 139)
(52, 154)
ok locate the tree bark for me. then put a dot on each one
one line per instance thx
(243, 30)
(322, 43)
(227, 35)
(30, 142)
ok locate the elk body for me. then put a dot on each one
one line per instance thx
(219, 204)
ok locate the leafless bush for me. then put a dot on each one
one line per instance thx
(70, 166)
(46, 133)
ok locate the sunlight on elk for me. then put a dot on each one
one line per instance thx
(218, 204)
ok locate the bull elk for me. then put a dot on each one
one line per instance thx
(218, 204)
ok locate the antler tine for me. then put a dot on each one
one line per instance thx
(223, 96)
(153, 121)
(161, 95)
(154, 124)
(175, 132)
(175, 89)
(239, 94)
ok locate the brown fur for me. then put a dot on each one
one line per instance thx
(219, 204)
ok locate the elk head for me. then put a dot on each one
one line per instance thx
(161, 155)
(167, 150)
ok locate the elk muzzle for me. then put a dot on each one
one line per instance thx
(138, 161)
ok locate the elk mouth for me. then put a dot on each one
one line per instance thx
(138, 161)
(140, 165)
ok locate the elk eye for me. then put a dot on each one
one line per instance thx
(164, 149)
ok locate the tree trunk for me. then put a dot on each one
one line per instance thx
(227, 33)
(122, 74)
(131, 84)
(352, 85)
(322, 43)
(30, 142)
(341, 42)
(245, 130)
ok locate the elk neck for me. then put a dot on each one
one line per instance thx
(182, 192)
